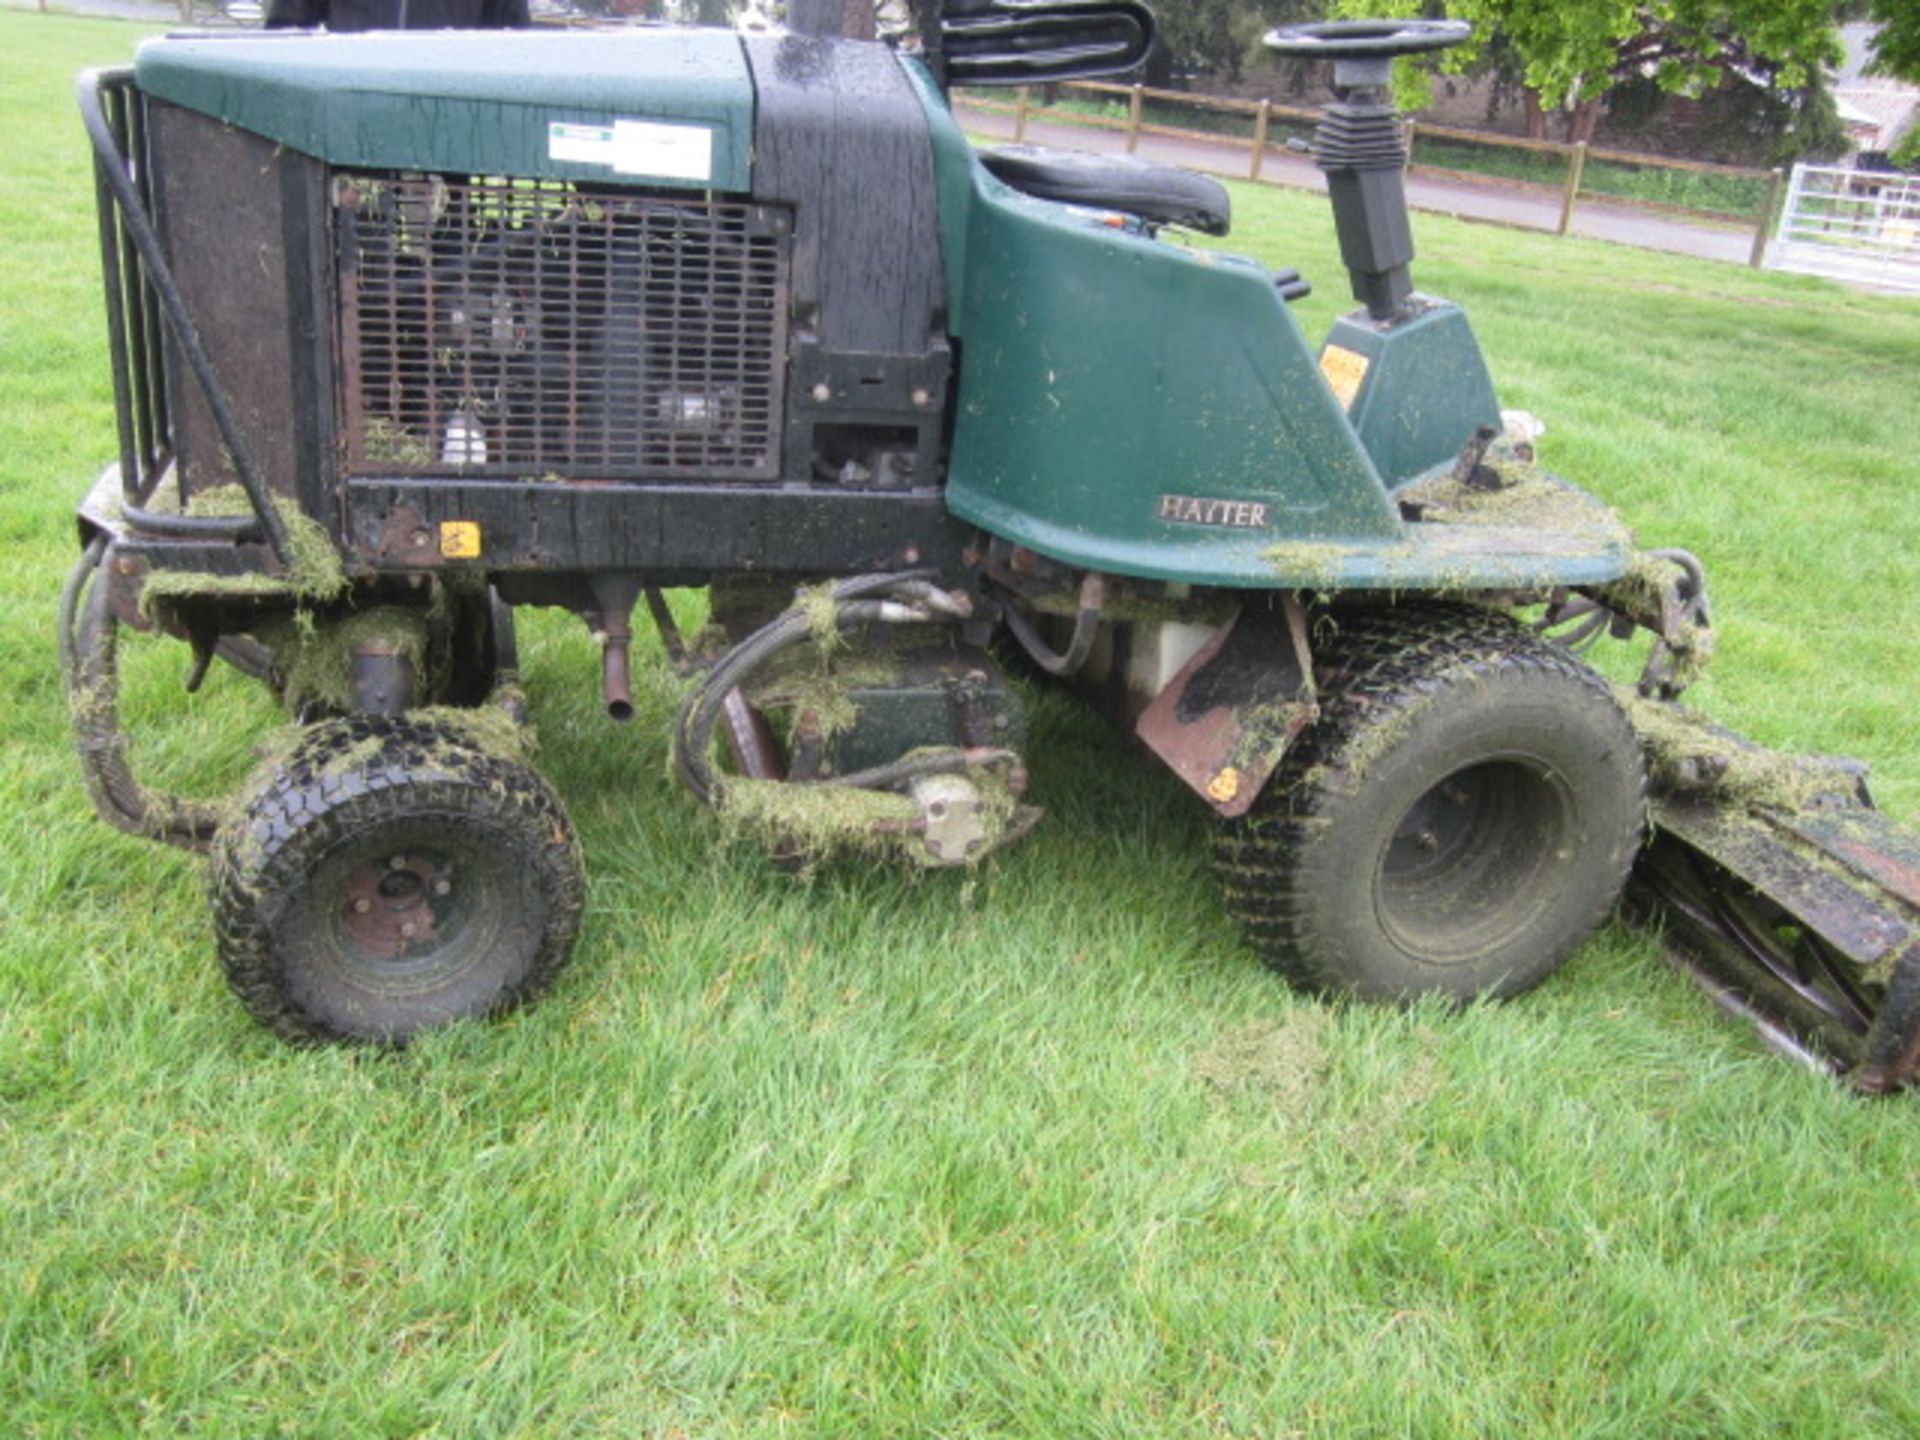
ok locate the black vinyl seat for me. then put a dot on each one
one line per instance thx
(1158, 194)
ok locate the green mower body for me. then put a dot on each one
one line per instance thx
(412, 330)
(1124, 403)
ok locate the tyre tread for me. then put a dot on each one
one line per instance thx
(1377, 670)
(353, 773)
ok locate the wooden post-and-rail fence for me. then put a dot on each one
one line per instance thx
(1263, 113)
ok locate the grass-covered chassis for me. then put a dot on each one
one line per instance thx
(410, 331)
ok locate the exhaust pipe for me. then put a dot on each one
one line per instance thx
(612, 624)
(616, 681)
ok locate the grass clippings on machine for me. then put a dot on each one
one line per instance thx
(409, 331)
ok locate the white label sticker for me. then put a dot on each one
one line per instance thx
(636, 147)
(582, 144)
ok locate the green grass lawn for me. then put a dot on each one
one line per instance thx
(1043, 1153)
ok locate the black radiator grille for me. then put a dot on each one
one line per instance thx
(542, 330)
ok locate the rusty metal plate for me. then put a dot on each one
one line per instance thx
(1226, 718)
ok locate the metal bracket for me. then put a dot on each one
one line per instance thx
(1663, 592)
(1227, 717)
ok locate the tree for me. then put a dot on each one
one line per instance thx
(1216, 37)
(1907, 153)
(1896, 50)
(1569, 53)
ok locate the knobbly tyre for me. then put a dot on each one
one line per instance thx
(410, 331)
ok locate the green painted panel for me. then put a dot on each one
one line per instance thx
(1101, 372)
(1108, 379)
(641, 107)
(1426, 389)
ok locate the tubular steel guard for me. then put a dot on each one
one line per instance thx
(140, 291)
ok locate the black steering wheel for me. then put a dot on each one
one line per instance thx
(1365, 39)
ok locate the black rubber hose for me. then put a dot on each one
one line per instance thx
(698, 718)
(1086, 629)
(700, 712)
(89, 654)
(88, 562)
(191, 527)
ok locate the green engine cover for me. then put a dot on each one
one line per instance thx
(1423, 387)
(643, 107)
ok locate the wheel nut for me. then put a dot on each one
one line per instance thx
(362, 905)
(398, 862)
(443, 887)
(406, 931)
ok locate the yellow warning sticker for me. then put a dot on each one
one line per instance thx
(1224, 786)
(459, 540)
(1344, 369)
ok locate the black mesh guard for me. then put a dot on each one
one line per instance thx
(542, 330)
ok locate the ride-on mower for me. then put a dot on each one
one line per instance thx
(409, 331)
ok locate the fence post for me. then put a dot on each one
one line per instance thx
(1407, 164)
(1573, 185)
(1260, 119)
(1766, 220)
(1020, 115)
(1133, 120)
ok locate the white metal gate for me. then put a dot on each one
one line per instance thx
(1850, 225)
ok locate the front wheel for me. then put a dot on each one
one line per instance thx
(1458, 821)
(391, 875)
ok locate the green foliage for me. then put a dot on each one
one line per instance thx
(1217, 37)
(858, 1157)
(1565, 51)
(1557, 48)
(1730, 195)
(1736, 123)
(1907, 153)
(1896, 49)
(1775, 126)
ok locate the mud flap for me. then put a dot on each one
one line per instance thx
(1226, 718)
(1805, 920)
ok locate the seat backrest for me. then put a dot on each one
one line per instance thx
(1158, 194)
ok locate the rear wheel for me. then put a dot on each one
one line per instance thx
(391, 875)
(1457, 822)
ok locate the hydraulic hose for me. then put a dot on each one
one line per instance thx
(111, 167)
(863, 599)
(1086, 629)
(89, 658)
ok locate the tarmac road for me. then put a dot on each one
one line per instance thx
(157, 13)
(1527, 207)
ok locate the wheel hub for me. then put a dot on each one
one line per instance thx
(1460, 873)
(397, 906)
